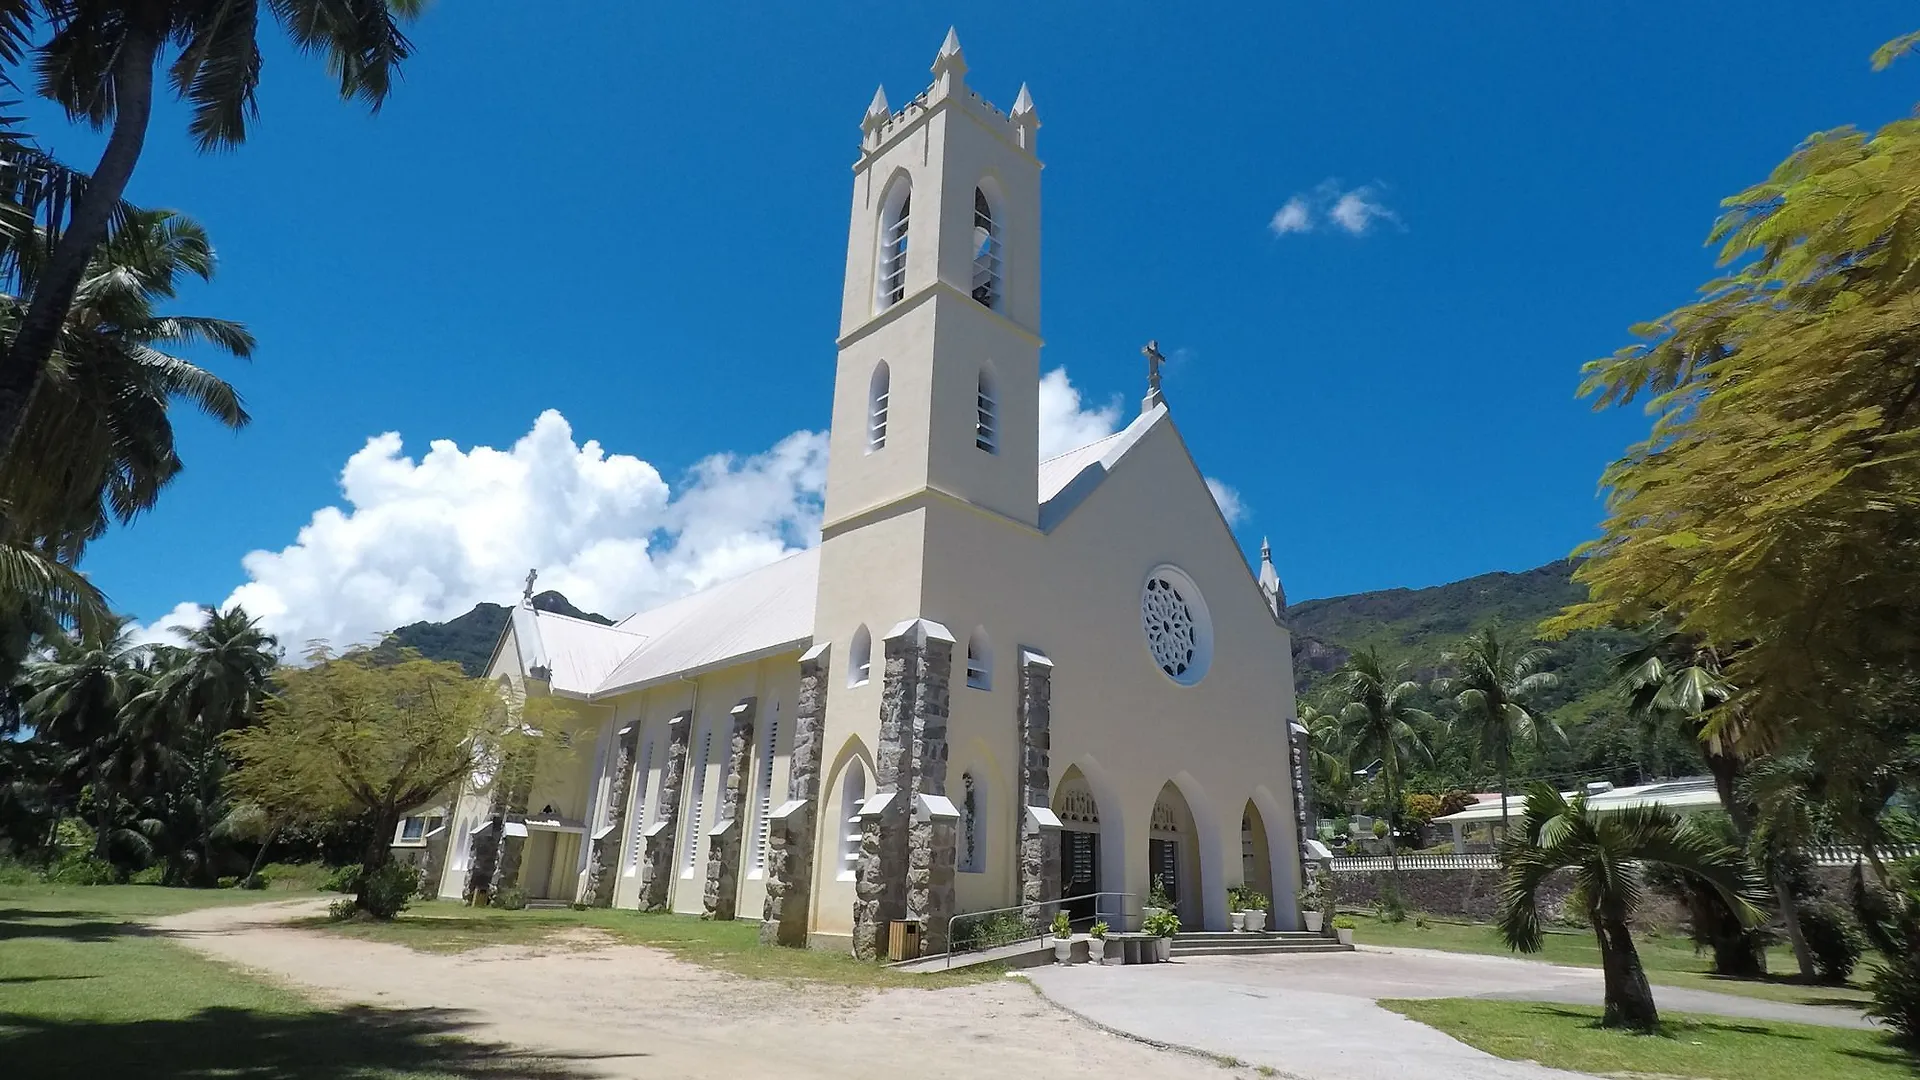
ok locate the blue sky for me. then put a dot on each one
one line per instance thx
(637, 219)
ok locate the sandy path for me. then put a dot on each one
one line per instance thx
(630, 1011)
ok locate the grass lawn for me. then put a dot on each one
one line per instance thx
(450, 926)
(1703, 1047)
(86, 990)
(1669, 959)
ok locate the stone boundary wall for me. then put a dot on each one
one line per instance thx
(1475, 894)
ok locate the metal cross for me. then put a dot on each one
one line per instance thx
(531, 574)
(1154, 360)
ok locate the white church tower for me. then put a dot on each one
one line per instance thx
(938, 379)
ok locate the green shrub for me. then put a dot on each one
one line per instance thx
(514, 899)
(343, 879)
(1157, 894)
(990, 931)
(1062, 925)
(386, 892)
(1162, 924)
(1240, 899)
(1391, 906)
(1098, 930)
(226, 882)
(14, 872)
(342, 910)
(1833, 938)
(253, 882)
(1344, 922)
(78, 868)
(151, 875)
(1379, 828)
(1342, 826)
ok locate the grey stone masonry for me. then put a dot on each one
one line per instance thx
(930, 840)
(1039, 848)
(602, 868)
(517, 776)
(723, 854)
(486, 847)
(659, 861)
(880, 874)
(790, 834)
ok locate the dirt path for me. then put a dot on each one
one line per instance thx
(630, 1011)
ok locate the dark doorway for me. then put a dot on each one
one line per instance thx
(1079, 872)
(1163, 867)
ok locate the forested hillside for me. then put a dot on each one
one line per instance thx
(1417, 626)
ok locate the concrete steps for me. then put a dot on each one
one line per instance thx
(1257, 943)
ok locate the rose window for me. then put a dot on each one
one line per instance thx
(1174, 619)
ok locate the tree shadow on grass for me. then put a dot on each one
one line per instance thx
(1671, 1030)
(1892, 1055)
(18, 923)
(356, 1043)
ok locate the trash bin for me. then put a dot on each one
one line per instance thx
(903, 939)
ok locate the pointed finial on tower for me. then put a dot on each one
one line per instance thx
(1023, 105)
(1026, 122)
(1270, 582)
(879, 108)
(1154, 361)
(1266, 552)
(877, 116)
(949, 67)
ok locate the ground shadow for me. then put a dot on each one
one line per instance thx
(247, 1045)
(18, 923)
(1889, 1056)
(1670, 1031)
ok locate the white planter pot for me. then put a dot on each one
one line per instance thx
(1255, 922)
(1063, 950)
(1346, 935)
(1313, 921)
(1236, 921)
(1163, 949)
(1097, 948)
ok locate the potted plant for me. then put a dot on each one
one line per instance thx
(1163, 925)
(1343, 926)
(1309, 902)
(1157, 899)
(1062, 938)
(1252, 910)
(1098, 945)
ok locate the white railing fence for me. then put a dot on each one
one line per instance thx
(1487, 860)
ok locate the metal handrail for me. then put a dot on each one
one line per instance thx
(1094, 896)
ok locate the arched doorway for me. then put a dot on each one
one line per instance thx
(1079, 817)
(1173, 856)
(1256, 859)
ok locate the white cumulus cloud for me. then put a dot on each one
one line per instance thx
(428, 538)
(1232, 506)
(1353, 211)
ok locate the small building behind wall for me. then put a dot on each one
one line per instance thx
(999, 677)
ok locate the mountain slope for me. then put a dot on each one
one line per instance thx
(469, 639)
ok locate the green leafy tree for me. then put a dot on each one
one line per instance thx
(100, 61)
(1495, 679)
(1606, 852)
(352, 737)
(73, 701)
(1378, 722)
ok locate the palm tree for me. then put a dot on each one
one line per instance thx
(100, 61)
(1377, 721)
(1329, 764)
(97, 443)
(213, 685)
(1779, 787)
(1606, 853)
(1495, 680)
(74, 701)
(1679, 679)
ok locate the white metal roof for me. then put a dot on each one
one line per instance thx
(760, 613)
(1684, 796)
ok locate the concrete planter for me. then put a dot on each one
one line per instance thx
(1254, 922)
(1313, 919)
(1236, 921)
(1346, 935)
(1162, 949)
(1063, 950)
(1097, 949)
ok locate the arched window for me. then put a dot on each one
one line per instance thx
(853, 791)
(973, 833)
(860, 657)
(877, 388)
(986, 431)
(891, 281)
(979, 661)
(986, 251)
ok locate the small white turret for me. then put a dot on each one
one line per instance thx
(949, 68)
(1026, 121)
(877, 116)
(1270, 581)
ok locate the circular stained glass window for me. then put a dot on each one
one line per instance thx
(1174, 618)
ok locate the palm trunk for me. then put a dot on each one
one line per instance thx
(273, 833)
(22, 365)
(1629, 1000)
(1790, 917)
(1504, 785)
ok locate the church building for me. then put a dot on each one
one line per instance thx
(995, 681)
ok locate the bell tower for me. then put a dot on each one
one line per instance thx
(937, 385)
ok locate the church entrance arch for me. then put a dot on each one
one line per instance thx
(1079, 815)
(1256, 859)
(1173, 856)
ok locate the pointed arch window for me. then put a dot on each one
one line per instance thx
(986, 251)
(891, 281)
(878, 389)
(986, 429)
(853, 792)
(860, 657)
(973, 836)
(979, 661)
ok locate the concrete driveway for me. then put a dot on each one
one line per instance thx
(1313, 1015)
